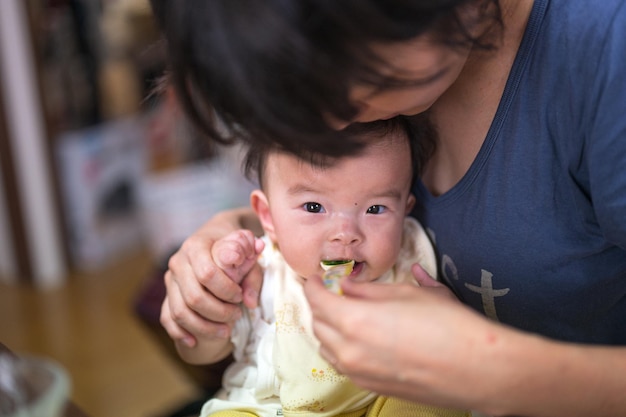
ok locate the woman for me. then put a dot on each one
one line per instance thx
(523, 192)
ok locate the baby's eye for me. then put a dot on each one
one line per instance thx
(313, 207)
(376, 209)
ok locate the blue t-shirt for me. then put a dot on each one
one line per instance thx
(534, 234)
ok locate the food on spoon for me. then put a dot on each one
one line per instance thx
(335, 270)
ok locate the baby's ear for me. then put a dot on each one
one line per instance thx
(410, 202)
(261, 206)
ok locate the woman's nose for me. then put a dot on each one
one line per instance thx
(336, 123)
(340, 124)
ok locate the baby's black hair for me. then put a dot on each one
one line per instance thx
(417, 130)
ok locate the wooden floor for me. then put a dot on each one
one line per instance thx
(117, 367)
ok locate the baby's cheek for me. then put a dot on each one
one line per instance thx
(384, 262)
(302, 267)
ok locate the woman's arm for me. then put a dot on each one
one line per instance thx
(421, 345)
(201, 300)
(535, 376)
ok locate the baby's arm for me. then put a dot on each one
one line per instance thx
(235, 254)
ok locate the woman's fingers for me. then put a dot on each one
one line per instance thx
(172, 328)
(192, 267)
(422, 277)
(194, 312)
(251, 287)
(339, 337)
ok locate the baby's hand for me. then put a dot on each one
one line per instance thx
(236, 253)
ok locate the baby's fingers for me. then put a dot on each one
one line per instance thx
(235, 254)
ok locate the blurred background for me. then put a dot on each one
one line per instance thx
(101, 179)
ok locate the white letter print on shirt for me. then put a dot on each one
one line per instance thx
(486, 291)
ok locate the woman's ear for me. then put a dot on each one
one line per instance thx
(410, 202)
(261, 206)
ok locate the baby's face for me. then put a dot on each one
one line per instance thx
(351, 210)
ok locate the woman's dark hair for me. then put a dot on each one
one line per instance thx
(417, 130)
(272, 71)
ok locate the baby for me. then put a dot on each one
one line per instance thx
(316, 211)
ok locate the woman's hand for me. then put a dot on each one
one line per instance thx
(202, 301)
(400, 340)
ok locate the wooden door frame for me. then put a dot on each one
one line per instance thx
(34, 221)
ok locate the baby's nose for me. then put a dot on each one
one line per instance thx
(346, 232)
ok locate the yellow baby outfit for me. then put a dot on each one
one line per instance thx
(277, 369)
